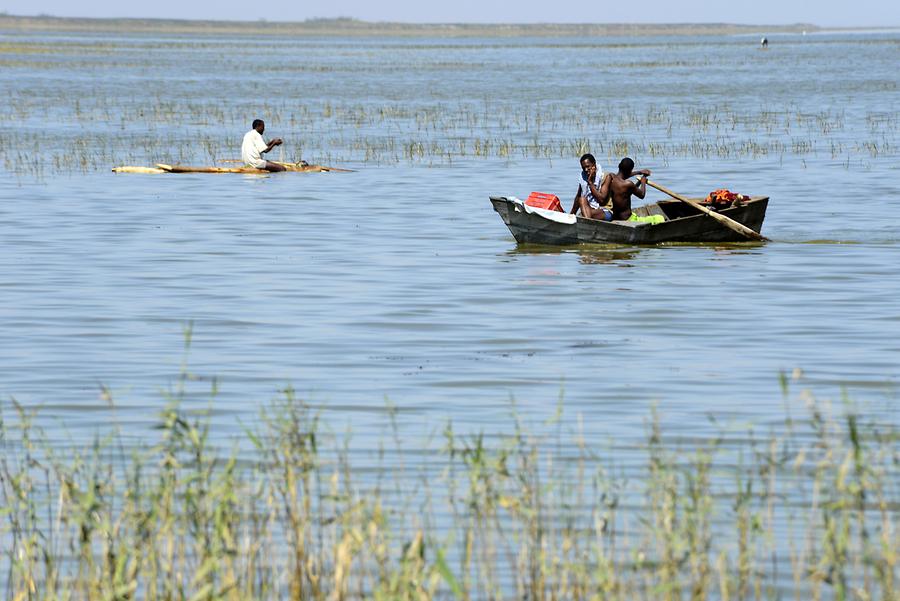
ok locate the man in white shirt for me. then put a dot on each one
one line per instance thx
(587, 197)
(253, 147)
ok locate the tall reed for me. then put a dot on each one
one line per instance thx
(293, 510)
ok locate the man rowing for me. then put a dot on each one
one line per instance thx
(621, 188)
(587, 197)
(254, 147)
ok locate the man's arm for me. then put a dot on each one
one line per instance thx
(596, 191)
(640, 189)
(272, 144)
(602, 195)
(593, 189)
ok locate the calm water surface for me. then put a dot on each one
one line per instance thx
(398, 283)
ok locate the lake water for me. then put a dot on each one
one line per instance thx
(397, 283)
(394, 292)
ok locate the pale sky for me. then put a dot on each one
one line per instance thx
(827, 13)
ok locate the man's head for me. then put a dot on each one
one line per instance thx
(588, 161)
(259, 125)
(626, 166)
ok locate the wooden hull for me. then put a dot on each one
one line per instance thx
(683, 224)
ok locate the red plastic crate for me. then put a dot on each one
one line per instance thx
(542, 200)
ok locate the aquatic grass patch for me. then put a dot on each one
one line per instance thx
(101, 133)
(296, 510)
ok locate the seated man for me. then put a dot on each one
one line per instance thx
(587, 197)
(254, 146)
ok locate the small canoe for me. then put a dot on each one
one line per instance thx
(683, 223)
(164, 168)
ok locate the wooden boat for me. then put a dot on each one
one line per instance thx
(683, 223)
(164, 168)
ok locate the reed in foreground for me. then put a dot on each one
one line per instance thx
(808, 513)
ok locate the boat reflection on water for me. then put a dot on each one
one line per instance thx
(588, 254)
(746, 248)
(624, 256)
(618, 257)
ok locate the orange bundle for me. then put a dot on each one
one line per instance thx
(723, 196)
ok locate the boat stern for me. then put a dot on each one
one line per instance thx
(531, 228)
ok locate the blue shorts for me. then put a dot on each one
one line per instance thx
(607, 214)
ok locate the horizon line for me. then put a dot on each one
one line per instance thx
(355, 20)
(353, 24)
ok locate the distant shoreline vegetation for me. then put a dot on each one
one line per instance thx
(354, 27)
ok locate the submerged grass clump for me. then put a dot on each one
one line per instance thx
(809, 512)
(96, 133)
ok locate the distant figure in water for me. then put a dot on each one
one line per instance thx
(764, 43)
(254, 146)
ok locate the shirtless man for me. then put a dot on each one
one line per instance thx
(254, 146)
(587, 197)
(621, 188)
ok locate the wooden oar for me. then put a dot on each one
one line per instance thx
(726, 221)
